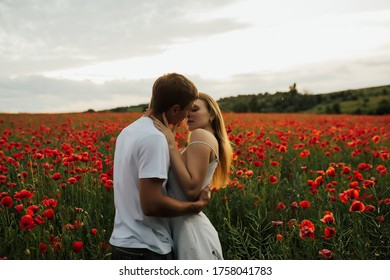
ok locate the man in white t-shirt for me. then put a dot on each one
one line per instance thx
(141, 163)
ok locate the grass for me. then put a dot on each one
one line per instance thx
(280, 161)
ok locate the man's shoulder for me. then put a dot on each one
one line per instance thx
(148, 134)
(142, 127)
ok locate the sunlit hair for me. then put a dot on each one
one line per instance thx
(171, 89)
(221, 174)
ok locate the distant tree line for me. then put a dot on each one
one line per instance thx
(287, 102)
(351, 101)
(368, 101)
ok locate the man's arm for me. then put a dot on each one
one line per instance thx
(155, 203)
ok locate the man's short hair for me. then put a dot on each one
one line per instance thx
(171, 89)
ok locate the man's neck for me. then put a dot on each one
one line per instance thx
(156, 115)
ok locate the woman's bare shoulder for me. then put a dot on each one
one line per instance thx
(203, 135)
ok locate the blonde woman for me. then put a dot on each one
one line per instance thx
(204, 162)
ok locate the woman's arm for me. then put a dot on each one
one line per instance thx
(192, 173)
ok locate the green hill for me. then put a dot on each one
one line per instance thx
(367, 101)
(370, 101)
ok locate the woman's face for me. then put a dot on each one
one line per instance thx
(199, 116)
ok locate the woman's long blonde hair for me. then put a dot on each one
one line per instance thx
(221, 174)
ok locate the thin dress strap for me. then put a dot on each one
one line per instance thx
(201, 142)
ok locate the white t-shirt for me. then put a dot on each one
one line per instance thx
(141, 152)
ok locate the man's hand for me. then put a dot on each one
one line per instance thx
(203, 199)
(205, 194)
(166, 129)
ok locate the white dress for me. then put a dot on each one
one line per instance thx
(194, 237)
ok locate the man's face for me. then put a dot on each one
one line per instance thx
(181, 114)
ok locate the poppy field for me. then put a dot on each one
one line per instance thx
(302, 186)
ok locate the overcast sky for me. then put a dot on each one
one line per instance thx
(72, 55)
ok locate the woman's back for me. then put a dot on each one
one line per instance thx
(194, 237)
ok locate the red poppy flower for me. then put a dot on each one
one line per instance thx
(56, 176)
(19, 208)
(298, 146)
(13, 185)
(304, 204)
(376, 139)
(354, 185)
(381, 169)
(294, 205)
(307, 230)
(319, 180)
(31, 210)
(384, 155)
(380, 219)
(78, 246)
(281, 206)
(3, 179)
(328, 218)
(329, 233)
(49, 213)
(23, 194)
(369, 208)
(249, 173)
(363, 166)
(94, 231)
(27, 222)
(346, 170)
(357, 206)
(326, 253)
(331, 172)
(72, 180)
(329, 188)
(282, 149)
(358, 176)
(304, 154)
(349, 194)
(50, 203)
(39, 220)
(368, 183)
(6, 201)
(78, 224)
(279, 237)
(2, 194)
(320, 172)
(43, 248)
(273, 179)
(110, 184)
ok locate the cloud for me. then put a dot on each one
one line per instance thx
(46, 95)
(49, 49)
(38, 36)
(39, 94)
(313, 78)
